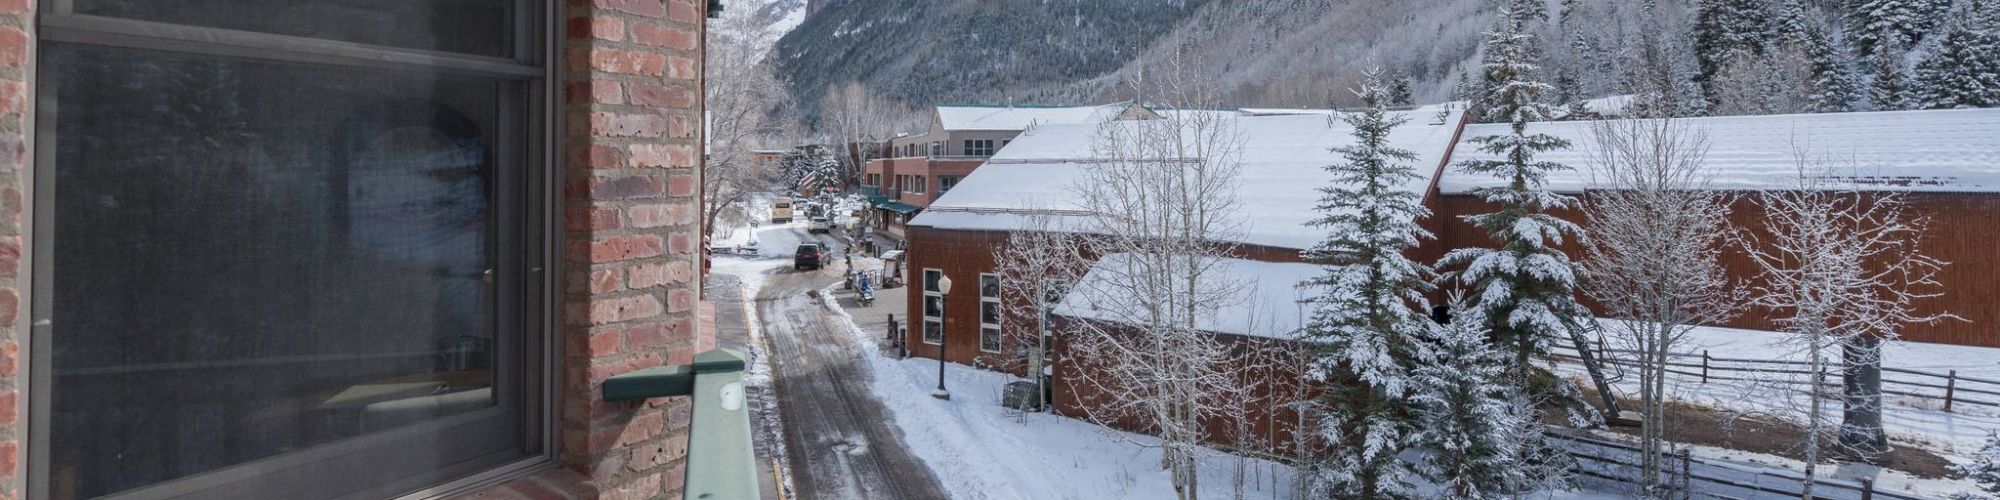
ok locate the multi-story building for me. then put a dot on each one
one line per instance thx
(922, 167)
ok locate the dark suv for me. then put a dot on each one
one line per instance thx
(808, 255)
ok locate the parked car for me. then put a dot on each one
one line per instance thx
(809, 255)
(821, 224)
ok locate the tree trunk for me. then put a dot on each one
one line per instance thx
(1861, 390)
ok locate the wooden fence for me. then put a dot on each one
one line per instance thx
(1948, 387)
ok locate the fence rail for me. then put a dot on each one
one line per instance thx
(1703, 477)
(1952, 388)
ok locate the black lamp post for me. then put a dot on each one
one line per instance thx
(944, 292)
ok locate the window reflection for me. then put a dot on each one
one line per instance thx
(254, 259)
(468, 26)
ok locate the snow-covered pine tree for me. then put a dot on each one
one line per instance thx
(1831, 88)
(1465, 414)
(1369, 316)
(1401, 90)
(1725, 30)
(1964, 71)
(1895, 23)
(1526, 288)
(1890, 89)
(1984, 469)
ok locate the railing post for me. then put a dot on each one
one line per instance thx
(1950, 386)
(1704, 366)
(1687, 474)
(1867, 489)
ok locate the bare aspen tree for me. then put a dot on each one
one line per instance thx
(852, 118)
(1162, 194)
(1653, 263)
(1842, 269)
(1036, 267)
(741, 94)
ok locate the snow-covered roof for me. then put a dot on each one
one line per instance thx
(1021, 117)
(1283, 111)
(1941, 151)
(1265, 305)
(1283, 167)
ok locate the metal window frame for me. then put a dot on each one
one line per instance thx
(527, 152)
(924, 283)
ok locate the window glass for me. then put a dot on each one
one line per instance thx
(989, 339)
(989, 312)
(934, 306)
(989, 285)
(933, 331)
(253, 259)
(931, 279)
(478, 27)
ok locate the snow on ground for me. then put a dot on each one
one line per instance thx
(1909, 421)
(980, 450)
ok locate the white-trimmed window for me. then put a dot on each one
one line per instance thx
(979, 147)
(933, 307)
(989, 312)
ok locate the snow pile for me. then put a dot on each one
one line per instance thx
(1939, 151)
(1283, 162)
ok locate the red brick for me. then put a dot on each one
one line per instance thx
(663, 36)
(10, 456)
(607, 280)
(594, 91)
(596, 156)
(661, 96)
(13, 97)
(680, 242)
(682, 10)
(607, 124)
(662, 156)
(678, 128)
(643, 276)
(13, 6)
(8, 401)
(629, 62)
(679, 301)
(14, 48)
(680, 185)
(642, 427)
(584, 219)
(10, 307)
(648, 8)
(621, 188)
(649, 335)
(621, 248)
(10, 256)
(598, 27)
(10, 358)
(607, 311)
(652, 216)
(677, 67)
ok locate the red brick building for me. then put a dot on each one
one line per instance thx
(374, 249)
(1946, 164)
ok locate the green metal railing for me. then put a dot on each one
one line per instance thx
(721, 464)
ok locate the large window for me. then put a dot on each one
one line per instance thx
(270, 264)
(933, 307)
(989, 312)
(979, 147)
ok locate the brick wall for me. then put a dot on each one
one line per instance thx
(632, 105)
(17, 43)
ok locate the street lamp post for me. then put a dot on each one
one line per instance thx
(944, 292)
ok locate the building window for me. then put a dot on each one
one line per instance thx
(937, 148)
(917, 184)
(274, 273)
(989, 312)
(945, 183)
(933, 307)
(979, 147)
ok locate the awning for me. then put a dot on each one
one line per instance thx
(898, 207)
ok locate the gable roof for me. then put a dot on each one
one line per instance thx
(1954, 150)
(1265, 296)
(1283, 168)
(957, 118)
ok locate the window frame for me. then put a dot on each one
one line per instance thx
(528, 232)
(922, 307)
(999, 315)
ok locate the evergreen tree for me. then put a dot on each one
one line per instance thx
(1984, 469)
(1725, 30)
(1369, 318)
(1466, 415)
(1890, 89)
(1833, 87)
(1400, 90)
(1895, 23)
(1964, 71)
(1526, 288)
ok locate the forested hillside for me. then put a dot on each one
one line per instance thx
(1689, 56)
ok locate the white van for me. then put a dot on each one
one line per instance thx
(781, 210)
